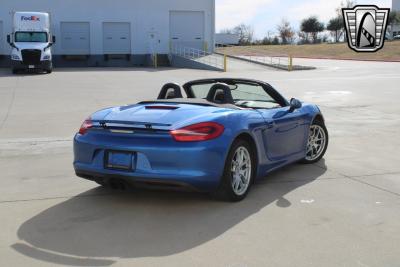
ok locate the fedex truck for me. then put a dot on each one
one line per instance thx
(31, 42)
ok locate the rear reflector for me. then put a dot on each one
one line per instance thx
(198, 132)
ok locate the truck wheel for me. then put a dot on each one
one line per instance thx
(14, 71)
(49, 70)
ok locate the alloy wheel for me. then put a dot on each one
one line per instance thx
(316, 142)
(241, 170)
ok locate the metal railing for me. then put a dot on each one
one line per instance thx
(199, 55)
(255, 55)
(271, 60)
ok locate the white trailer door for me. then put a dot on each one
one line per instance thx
(75, 38)
(116, 38)
(187, 28)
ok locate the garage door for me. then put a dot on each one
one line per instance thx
(116, 38)
(187, 28)
(75, 38)
(2, 39)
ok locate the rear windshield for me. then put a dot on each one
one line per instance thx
(35, 37)
(239, 91)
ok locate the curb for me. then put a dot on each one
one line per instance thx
(351, 59)
(276, 66)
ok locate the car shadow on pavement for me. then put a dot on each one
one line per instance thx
(99, 226)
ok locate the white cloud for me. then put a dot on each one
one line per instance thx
(263, 15)
(323, 9)
(233, 12)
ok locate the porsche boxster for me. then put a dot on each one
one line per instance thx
(213, 135)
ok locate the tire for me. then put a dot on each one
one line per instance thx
(14, 71)
(318, 140)
(49, 68)
(243, 181)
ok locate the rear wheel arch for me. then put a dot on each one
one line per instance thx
(226, 188)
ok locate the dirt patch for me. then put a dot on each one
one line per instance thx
(390, 52)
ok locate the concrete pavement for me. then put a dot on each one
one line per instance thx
(342, 211)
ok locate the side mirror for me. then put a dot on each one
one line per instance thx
(11, 43)
(295, 104)
(53, 39)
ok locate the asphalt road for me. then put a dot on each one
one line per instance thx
(343, 211)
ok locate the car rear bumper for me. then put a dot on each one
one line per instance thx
(160, 161)
(151, 183)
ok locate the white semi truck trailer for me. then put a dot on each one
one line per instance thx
(226, 39)
(31, 42)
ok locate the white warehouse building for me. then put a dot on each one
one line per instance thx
(118, 32)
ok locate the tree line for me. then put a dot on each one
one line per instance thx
(309, 32)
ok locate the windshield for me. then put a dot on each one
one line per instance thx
(36, 37)
(245, 95)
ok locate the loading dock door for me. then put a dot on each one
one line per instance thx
(116, 38)
(75, 38)
(2, 39)
(187, 28)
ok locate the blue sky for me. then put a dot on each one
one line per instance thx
(264, 15)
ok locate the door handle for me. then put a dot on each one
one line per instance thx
(270, 125)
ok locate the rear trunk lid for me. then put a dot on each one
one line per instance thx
(152, 116)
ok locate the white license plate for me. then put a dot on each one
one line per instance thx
(31, 66)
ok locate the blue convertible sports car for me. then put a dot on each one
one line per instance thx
(219, 138)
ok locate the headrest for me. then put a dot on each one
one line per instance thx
(170, 90)
(220, 93)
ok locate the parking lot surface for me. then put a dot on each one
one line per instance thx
(343, 211)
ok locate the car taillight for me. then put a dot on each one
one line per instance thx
(86, 125)
(198, 132)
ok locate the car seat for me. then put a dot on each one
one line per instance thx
(170, 91)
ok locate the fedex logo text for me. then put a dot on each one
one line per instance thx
(31, 18)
